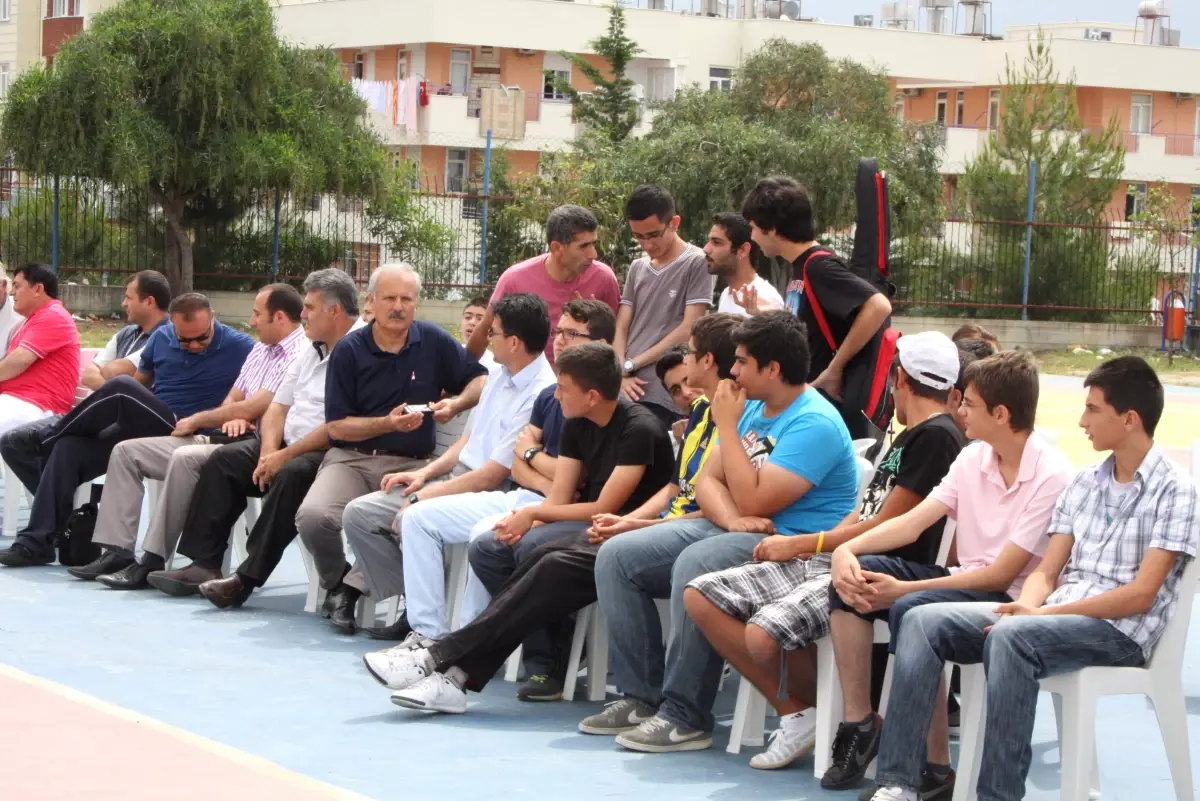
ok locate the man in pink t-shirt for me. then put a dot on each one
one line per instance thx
(1000, 492)
(40, 371)
(568, 270)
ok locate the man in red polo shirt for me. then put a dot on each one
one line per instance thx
(40, 371)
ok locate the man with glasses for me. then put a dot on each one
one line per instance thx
(478, 462)
(191, 363)
(568, 270)
(666, 292)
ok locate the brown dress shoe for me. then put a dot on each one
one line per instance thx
(184, 582)
(226, 592)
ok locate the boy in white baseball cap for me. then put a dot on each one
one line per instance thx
(781, 601)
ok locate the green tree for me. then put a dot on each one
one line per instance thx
(199, 104)
(1078, 168)
(610, 107)
(405, 226)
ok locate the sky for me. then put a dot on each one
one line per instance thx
(1185, 14)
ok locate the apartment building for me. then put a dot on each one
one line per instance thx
(482, 62)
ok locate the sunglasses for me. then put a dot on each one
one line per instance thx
(194, 340)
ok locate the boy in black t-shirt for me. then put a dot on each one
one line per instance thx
(780, 215)
(628, 458)
(781, 601)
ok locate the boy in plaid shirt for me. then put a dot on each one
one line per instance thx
(1121, 535)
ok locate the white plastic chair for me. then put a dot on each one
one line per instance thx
(1076, 695)
(751, 709)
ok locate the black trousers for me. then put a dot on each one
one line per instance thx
(21, 450)
(76, 449)
(555, 582)
(226, 481)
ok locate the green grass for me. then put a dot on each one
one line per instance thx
(96, 335)
(1067, 362)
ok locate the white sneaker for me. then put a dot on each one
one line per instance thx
(894, 794)
(434, 693)
(795, 738)
(398, 668)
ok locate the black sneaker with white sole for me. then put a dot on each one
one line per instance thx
(853, 749)
(541, 687)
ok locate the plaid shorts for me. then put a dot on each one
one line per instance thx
(788, 600)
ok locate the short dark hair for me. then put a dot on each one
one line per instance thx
(650, 200)
(973, 331)
(478, 301)
(669, 361)
(592, 365)
(567, 222)
(36, 273)
(1008, 379)
(596, 315)
(736, 227)
(189, 304)
(713, 333)
(776, 336)
(782, 205)
(923, 390)
(152, 284)
(524, 316)
(970, 351)
(1128, 382)
(283, 298)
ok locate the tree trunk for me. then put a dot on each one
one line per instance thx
(170, 263)
(181, 279)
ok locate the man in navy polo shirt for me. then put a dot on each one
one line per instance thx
(375, 373)
(190, 363)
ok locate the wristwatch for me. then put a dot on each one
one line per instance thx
(530, 453)
(629, 367)
(413, 499)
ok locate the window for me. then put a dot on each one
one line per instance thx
(5, 78)
(360, 66)
(1141, 115)
(460, 71)
(456, 169)
(960, 109)
(1196, 207)
(1198, 124)
(994, 110)
(1135, 200)
(61, 8)
(314, 203)
(5, 10)
(720, 79)
(549, 90)
(942, 102)
(661, 84)
(401, 64)
(898, 105)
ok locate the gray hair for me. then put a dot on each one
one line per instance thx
(400, 267)
(335, 287)
(565, 222)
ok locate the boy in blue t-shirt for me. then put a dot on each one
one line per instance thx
(794, 473)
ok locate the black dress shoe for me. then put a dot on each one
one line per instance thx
(109, 562)
(226, 592)
(130, 577)
(340, 606)
(397, 631)
(20, 556)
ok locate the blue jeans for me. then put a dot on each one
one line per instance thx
(1016, 654)
(911, 571)
(634, 569)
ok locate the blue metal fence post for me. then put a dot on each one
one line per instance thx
(54, 230)
(487, 190)
(1028, 240)
(275, 243)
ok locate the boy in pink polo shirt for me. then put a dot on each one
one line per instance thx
(1001, 492)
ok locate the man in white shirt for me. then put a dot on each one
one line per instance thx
(9, 319)
(481, 460)
(730, 253)
(279, 465)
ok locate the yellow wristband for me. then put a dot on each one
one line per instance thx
(820, 541)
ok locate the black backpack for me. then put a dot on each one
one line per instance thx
(75, 545)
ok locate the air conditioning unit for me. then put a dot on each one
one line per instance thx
(524, 51)
(913, 92)
(1182, 96)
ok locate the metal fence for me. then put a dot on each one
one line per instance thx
(98, 234)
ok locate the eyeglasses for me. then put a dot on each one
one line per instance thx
(195, 340)
(493, 333)
(653, 236)
(572, 334)
(691, 352)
